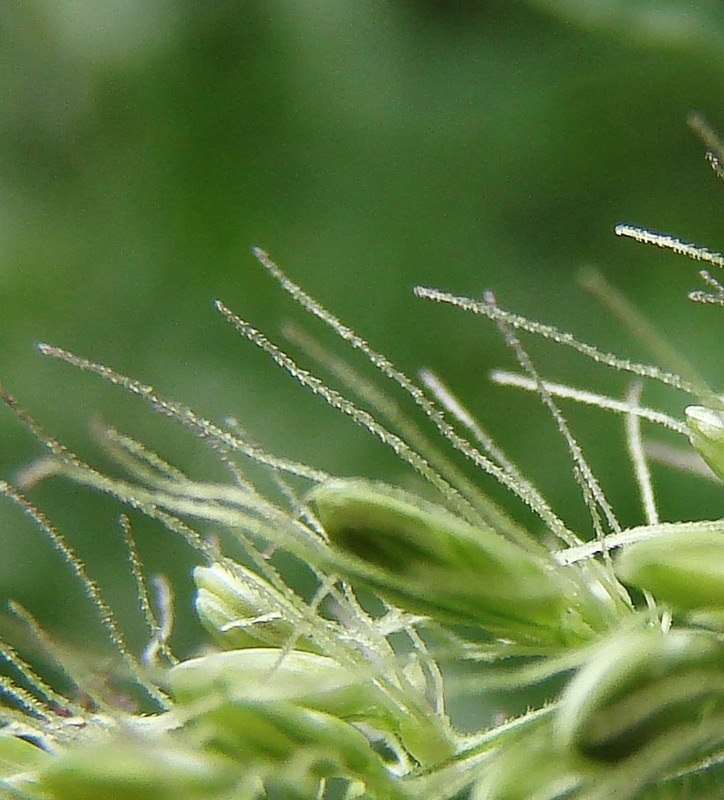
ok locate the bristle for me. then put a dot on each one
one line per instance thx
(90, 588)
(557, 336)
(489, 510)
(363, 418)
(643, 331)
(638, 456)
(387, 410)
(591, 490)
(160, 631)
(518, 483)
(183, 414)
(667, 242)
(514, 379)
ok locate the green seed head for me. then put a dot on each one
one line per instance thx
(641, 688)
(706, 432)
(428, 561)
(528, 768)
(125, 769)
(309, 680)
(293, 748)
(20, 761)
(685, 570)
(241, 609)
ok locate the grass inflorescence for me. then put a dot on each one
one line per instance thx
(343, 691)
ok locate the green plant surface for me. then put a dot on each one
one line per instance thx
(279, 616)
(369, 147)
(342, 690)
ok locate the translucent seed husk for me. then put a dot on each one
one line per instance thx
(241, 609)
(706, 432)
(640, 687)
(312, 681)
(291, 746)
(426, 560)
(684, 570)
(127, 769)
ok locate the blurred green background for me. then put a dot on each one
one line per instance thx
(146, 147)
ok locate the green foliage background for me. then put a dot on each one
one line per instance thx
(145, 147)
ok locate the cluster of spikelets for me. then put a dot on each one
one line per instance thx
(341, 693)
